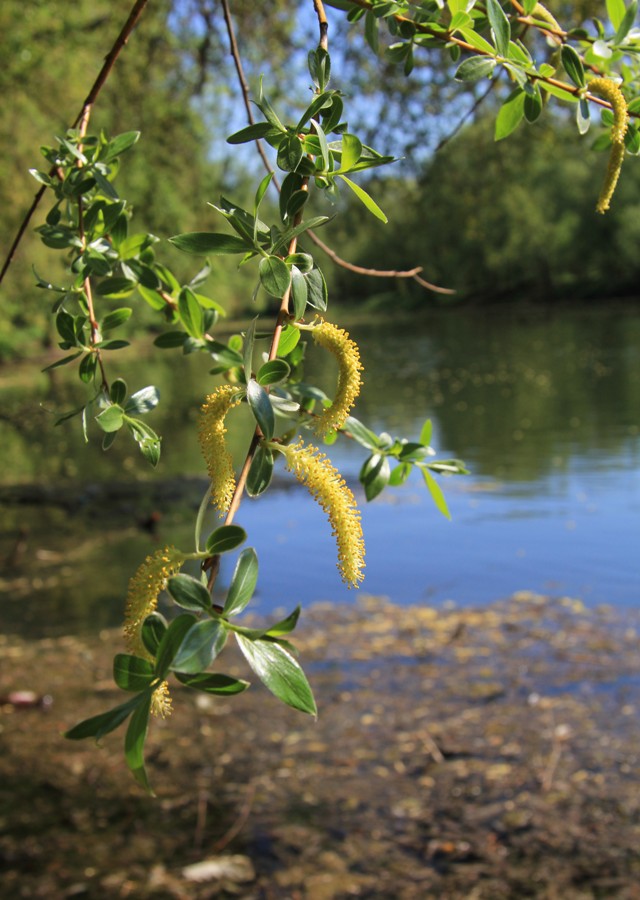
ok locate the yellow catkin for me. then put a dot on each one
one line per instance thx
(142, 599)
(161, 701)
(326, 485)
(212, 431)
(144, 589)
(609, 90)
(337, 341)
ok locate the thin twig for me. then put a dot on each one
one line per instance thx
(244, 88)
(98, 84)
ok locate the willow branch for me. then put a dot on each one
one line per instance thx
(105, 71)
(244, 88)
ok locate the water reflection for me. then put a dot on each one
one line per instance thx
(543, 408)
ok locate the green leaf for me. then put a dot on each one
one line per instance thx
(351, 152)
(203, 242)
(285, 626)
(189, 593)
(290, 153)
(261, 408)
(191, 313)
(324, 148)
(573, 65)
(374, 475)
(151, 297)
(116, 318)
(616, 11)
(118, 145)
(213, 684)
(361, 433)
(583, 116)
(532, 104)
(289, 338)
(260, 472)
(104, 723)
(243, 583)
(252, 133)
(64, 361)
(134, 743)
(511, 114)
(143, 401)
(317, 293)
(371, 31)
(500, 27)
(627, 23)
(474, 68)
(112, 345)
(115, 287)
(225, 538)
(425, 433)
(477, 41)
(152, 631)
(200, 646)
(364, 198)
(279, 672)
(275, 276)
(436, 492)
(171, 641)
(111, 419)
(132, 673)
(299, 292)
(248, 343)
(274, 371)
(302, 261)
(287, 236)
(400, 474)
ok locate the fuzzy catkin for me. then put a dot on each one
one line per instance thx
(211, 432)
(326, 485)
(337, 341)
(609, 90)
(142, 599)
(144, 588)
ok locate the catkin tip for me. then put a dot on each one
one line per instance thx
(328, 488)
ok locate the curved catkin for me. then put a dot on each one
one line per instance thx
(609, 90)
(144, 589)
(337, 341)
(326, 485)
(142, 599)
(211, 432)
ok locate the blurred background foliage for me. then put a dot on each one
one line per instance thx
(493, 221)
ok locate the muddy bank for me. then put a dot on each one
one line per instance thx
(458, 754)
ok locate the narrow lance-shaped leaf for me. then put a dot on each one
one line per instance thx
(500, 27)
(261, 408)
(436, 492)
(279, 672)
(243, 583)
(134, 743)
(366, 199)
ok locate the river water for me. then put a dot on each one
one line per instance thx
(543, 407)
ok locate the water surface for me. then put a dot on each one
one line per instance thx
(543, 407)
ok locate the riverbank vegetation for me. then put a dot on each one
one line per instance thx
(536, 238)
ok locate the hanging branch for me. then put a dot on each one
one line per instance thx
(105, 71)
(244, 88)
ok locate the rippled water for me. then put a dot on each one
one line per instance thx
(543, 407)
